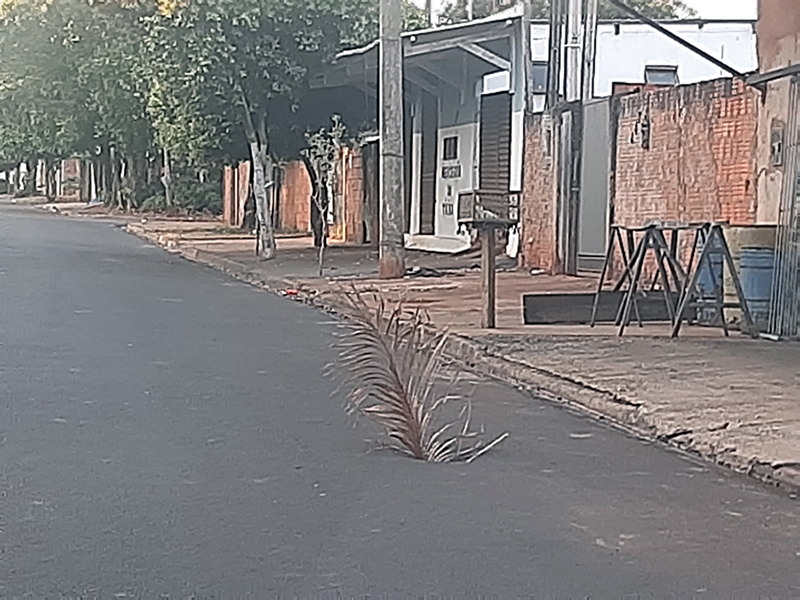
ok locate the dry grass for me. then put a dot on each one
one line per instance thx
(390, 360)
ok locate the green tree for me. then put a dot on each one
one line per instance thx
(41, 114)
(414, 17)
(456, 10)
(106, 40)
(70, 84)
(249, 60)
(320, 158)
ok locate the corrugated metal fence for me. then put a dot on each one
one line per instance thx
(783, 318)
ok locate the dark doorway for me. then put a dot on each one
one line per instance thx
(430, 130)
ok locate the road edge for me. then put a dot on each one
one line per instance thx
(601, 405)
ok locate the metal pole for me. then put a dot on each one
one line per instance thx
(392, 252)
(488, 277)
(589, 50)
(574, 47)
(526, 59)
(556, 55)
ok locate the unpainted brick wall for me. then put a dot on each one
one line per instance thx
(353, 196)
(228, 195)
(295, 198)
(700, 164)
(538, 219)
(348, 224)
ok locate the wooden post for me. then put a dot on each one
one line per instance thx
(488, 277)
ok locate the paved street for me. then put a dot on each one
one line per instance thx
(166, 432)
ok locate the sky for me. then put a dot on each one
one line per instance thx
(725, 9)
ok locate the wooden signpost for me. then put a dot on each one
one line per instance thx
(487, 212)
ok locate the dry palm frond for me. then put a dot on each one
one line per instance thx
(391, 359)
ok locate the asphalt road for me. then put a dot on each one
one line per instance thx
(166, 432)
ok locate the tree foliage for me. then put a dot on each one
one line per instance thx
(134, 85)
(243, 65)
(414, 17)
(40, 101)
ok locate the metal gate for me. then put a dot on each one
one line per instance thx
(593, 224)
(783, 318)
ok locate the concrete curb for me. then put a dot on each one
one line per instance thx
(600, 404)
(606, 406)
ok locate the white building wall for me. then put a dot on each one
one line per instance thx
(447, 184)
(625, 49)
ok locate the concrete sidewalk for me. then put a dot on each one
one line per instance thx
(734, 401)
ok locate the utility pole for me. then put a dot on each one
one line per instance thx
(589, 50)
(392, 264)
(574, 47)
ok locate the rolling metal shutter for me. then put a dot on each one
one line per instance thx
(495, 139)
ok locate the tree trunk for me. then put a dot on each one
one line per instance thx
(262, 182)
(319, 213)
(126, 183)
(256, 133)
(116, 192)
(103, 186)
(30, 177)
(166, 180)
(137, 174)
(84, 185)
(50, 180)
(316, 212)
(323, 194)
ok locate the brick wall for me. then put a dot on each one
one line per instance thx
(228, 195)
(538, 219)
(699, 163)
(353, 196)
(295, 198)
(235, 191)
(348, 223)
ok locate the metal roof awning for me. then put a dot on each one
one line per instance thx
(426, 53)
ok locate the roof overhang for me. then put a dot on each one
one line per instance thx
(422, 50)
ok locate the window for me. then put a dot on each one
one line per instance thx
(539, 77)
(450, 151)
(777, 137)
(661, 75)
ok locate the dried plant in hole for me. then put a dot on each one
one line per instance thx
(391, 363)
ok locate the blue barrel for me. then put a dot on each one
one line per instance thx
(756, 272)
(708, 283)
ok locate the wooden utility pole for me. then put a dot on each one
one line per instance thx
(488, 277)
(392, 264)
(589, 49)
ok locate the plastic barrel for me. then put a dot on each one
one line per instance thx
(757, 269)
(743, 236)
